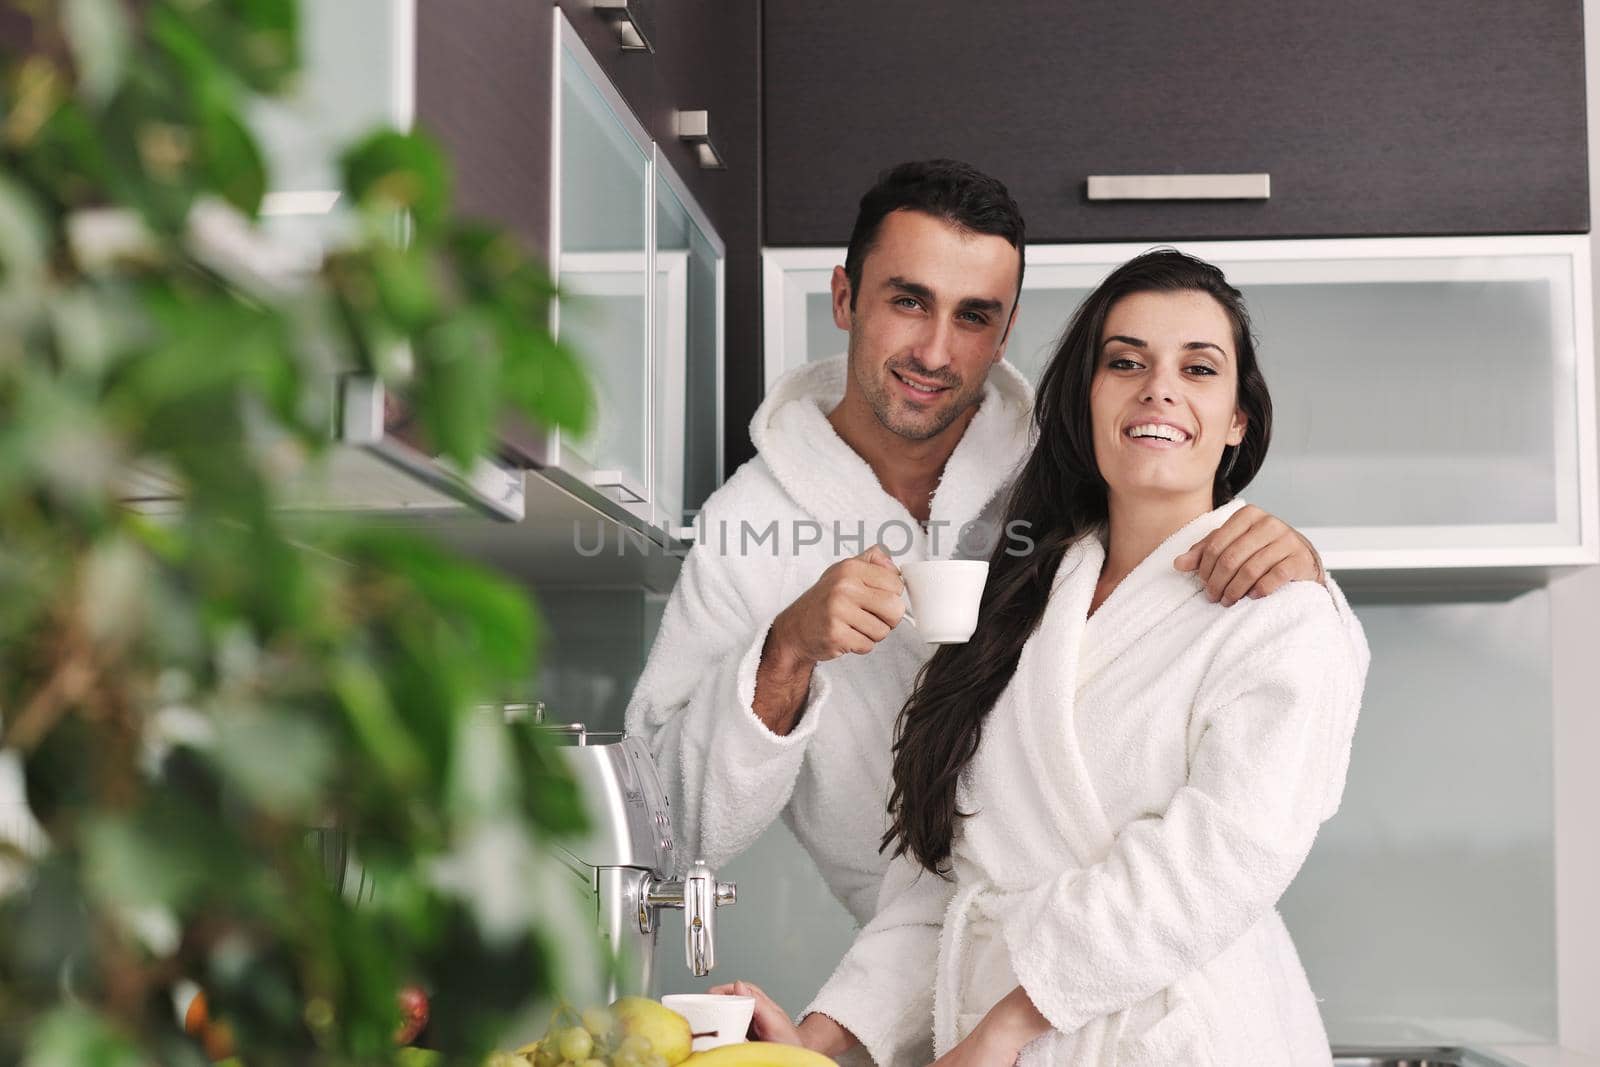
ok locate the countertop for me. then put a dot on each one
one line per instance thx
(1545, 1056)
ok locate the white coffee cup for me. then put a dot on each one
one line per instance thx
(714, 1019)
(944, 596)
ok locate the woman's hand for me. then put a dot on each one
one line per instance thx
(1001, 1035)
(1253, 554)
(770, 1022)
(976, 1050)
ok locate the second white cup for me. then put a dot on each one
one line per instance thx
(714, 1019)
(944, 596)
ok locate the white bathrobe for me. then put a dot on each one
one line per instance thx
(729, 776)
(1144, 791)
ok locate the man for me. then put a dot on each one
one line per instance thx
(780, 667)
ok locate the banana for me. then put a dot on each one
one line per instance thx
(757, 1054)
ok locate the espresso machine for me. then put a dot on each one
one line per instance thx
(628, 857)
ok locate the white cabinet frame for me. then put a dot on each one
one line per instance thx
(792, 275)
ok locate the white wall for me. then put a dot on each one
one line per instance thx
(1575, 660)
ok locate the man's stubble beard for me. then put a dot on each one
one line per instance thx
(882, 403)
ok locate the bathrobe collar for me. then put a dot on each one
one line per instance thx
(1147, 596)
(1070, 647)
(832, 483)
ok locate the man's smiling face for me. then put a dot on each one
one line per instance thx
(929, 320)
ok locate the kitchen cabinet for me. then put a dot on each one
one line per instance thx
(641, 273)
(358, 74)
(707, 57)
(704, 58)
(647, 315)
(1371, 118)
(1433, 398)
(488, 87)
(483, 89)
(601, 257)
(688, 382)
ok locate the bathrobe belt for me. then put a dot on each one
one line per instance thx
(975, 899)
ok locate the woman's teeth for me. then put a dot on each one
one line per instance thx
(1165, 433)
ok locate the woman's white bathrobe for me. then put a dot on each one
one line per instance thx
(1143, 793)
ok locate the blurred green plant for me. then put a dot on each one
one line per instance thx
(190, 695)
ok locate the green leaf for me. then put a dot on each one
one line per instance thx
(372, 716)
(74, 1037)
(457, 385)
(394, 171)
(91, 327)
(98, 31)
(545, 379)
(233, 164)
(503, 632)
(280, 758)
(408, 286)
(483, 782)
(24, 244)
(133, 864)
(254, 41)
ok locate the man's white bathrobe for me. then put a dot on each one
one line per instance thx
(1143, 793)
(728, 776)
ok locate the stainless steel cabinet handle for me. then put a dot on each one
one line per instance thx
(1180, 186)
(694, 128)
(628, 491)
(633, 21)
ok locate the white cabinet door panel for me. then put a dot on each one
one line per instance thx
(1433, 398)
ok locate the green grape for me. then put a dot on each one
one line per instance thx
(546, 1054)
(655, 1059)
(575, 1044)
(598, 1022)
(592, 1063)
(625, 1058)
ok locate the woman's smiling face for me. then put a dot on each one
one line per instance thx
(1164, 398)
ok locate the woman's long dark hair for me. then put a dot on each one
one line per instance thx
(1060, 496)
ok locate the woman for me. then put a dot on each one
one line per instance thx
(1099, 799)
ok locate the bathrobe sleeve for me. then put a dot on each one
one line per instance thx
(727, 775)
(1355, 639)
(1268, 744)
(882, 991)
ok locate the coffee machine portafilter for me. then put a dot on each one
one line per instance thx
(628, 856)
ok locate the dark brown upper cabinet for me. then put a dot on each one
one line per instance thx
(1372, 117)
(484, 87)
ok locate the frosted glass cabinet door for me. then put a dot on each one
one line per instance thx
(1432, 398)
(688, 355)
(357, 75)
(603, 268)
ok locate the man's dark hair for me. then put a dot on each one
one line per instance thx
(947, 189)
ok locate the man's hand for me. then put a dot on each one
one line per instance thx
(852, 606)
(1253, 554)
